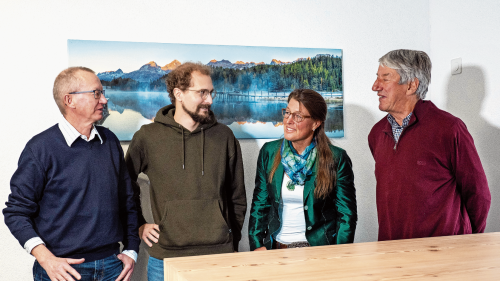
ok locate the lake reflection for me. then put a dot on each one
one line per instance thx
(146, 103)
(245, 118)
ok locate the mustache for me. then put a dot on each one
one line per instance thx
(205, 106)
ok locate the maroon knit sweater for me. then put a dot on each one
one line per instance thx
(432, 182)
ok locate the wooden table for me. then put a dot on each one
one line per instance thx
(463, 257)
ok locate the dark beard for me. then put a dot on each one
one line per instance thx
(199, 118)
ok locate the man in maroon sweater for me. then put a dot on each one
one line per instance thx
(430, 181)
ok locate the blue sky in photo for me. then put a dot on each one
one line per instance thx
(129, 56)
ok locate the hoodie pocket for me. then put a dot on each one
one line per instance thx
(193, 223)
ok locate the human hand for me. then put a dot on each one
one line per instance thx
(261, 249)
(58, 269)
(149, 232)
(128, 267)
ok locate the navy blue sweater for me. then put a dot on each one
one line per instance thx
(77, 199)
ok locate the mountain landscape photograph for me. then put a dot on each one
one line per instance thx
(252, 83)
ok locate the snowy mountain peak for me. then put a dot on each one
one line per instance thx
(171, 66)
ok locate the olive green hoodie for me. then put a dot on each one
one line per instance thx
(197, 188)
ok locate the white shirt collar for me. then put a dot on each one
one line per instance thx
(71, 134)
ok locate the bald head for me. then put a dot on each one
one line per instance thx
(69, 80)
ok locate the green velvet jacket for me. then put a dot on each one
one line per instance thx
(329, 221)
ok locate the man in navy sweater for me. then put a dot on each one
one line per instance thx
(430, 181)
(71, 200)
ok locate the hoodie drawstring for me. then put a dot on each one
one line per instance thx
(183, 152)
(202, 152)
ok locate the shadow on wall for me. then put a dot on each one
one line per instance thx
(465, 96)
(140, 270)
(250, 153)
(356, 146)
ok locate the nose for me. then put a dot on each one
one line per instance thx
(208, 100)
(376, 86)
(288, 120)
(103, 100)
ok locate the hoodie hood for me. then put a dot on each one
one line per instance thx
(165, 116)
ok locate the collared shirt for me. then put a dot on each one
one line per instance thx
(70, 135)
(396, 128)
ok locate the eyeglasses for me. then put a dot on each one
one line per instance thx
(97, 93)
(205, 93)
(296, 116)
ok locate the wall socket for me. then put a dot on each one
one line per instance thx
(456, 66)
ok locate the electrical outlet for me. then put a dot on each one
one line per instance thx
(456, 66)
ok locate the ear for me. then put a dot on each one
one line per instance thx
(69, 101)
(178, 94)
(316, 125)
(412, 87)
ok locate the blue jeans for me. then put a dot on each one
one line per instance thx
(155, 269)
(107, 269)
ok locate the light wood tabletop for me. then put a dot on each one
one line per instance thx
(461, 257)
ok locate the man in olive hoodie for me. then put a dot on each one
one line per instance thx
(195, 169)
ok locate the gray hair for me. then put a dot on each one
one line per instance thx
(410, 64)
(67, 81)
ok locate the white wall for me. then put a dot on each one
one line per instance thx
(34, 51)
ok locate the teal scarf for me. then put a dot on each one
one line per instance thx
(297, 166)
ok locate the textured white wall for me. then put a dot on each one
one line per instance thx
(34, 51)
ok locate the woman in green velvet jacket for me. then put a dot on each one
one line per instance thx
(304, 161)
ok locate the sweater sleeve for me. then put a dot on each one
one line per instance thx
(26, 186)
(470, 178)
(258, 223)
(136, 164)
(128, 209)
(345, 200)
(237, 198)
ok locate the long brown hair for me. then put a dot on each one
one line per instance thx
(327, 176)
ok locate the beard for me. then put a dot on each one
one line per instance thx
(200, 118)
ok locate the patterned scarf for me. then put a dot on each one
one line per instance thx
(297, 166)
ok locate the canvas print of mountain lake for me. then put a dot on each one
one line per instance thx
(252, 83)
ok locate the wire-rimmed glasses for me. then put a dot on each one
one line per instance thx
(204, 93)
(97, 93)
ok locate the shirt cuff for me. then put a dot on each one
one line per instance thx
(32, 243)
(131, 253)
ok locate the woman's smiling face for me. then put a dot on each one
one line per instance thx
(301, 132)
